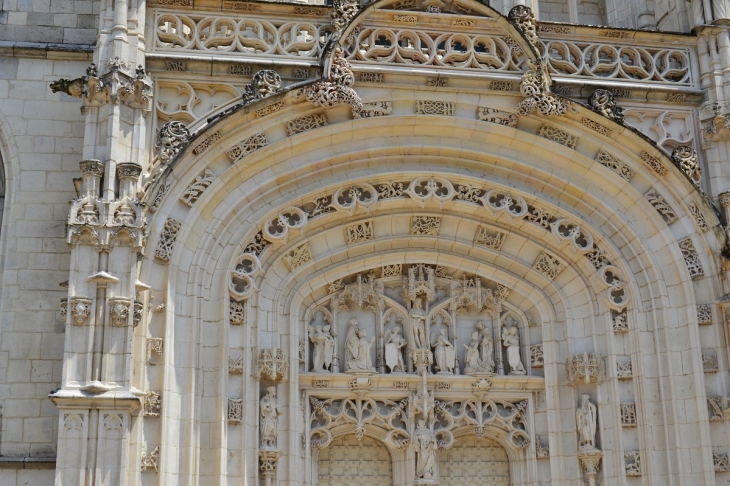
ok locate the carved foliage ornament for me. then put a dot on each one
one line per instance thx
(535, 87)
(344, 12)
(263, 84)
(686, 159)
(583, 367)
(171, 139)
(524, 19)
(337, 88)
(480, 414)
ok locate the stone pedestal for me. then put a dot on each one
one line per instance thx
(590, 460)
(268, 460)
(422, 360)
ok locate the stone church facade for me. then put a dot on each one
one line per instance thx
(398, 242)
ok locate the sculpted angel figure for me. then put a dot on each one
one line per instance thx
(426, 446)
(444, 353)
(585, 418)
(269, 418)
(418, 324)
(394, 344)
(324, 346)
(511, 341)
(361, 359)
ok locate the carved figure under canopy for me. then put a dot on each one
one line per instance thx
(351, 339)
(511, 341)
(474, 361)
(444, 353)
(418, 325)
(394, 344)
(361, 359)
(426, 445)
(585, 418)
(269, 418)
(487, 347)
(324, 347)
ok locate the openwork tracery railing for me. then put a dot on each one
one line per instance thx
(629, 63)
(229, 35)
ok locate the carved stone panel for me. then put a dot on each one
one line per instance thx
(167, 239)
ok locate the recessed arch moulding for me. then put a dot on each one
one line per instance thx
(487, 226)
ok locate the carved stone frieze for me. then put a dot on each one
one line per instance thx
(704, 314)
(720, 461)
(237, 313)
(197, 187)
(548, 265)
(632, 463)
(235, 411)
(537, 358)
(235, 365)
(611, 162)
(305, 123)
(542, 451)
(628, 414)
(154, 346)
(425, 225)
(691, 258)
(488, 238)
(167, 239)
(653, 163)
(498, 117)
(432, 107)
(583, 367)
(557, 135)
(359, 232)
(661, 205)
(624, 370)
(297, 257)
(374, 108)
(150, 461)
(709, 361)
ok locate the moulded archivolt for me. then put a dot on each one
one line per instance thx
(242, 284)
(569, 232)
(498, 201)
(279, 228)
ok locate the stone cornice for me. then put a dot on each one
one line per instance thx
(42, 50)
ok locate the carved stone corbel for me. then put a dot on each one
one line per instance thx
(118, 85)
(119, 311)
(268, 460)
(172, 138)
(685, 157)
(80, 308)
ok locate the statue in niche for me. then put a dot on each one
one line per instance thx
(357, 349)
(585, 418)
(511, 341)
(269, 418)
(426, 446)
(444, 353)
(479, 352)
(418, 324)
(324, 347)
(351, 339)
(487, 346)
(394, 344)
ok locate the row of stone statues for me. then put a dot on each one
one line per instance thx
(479, 354)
